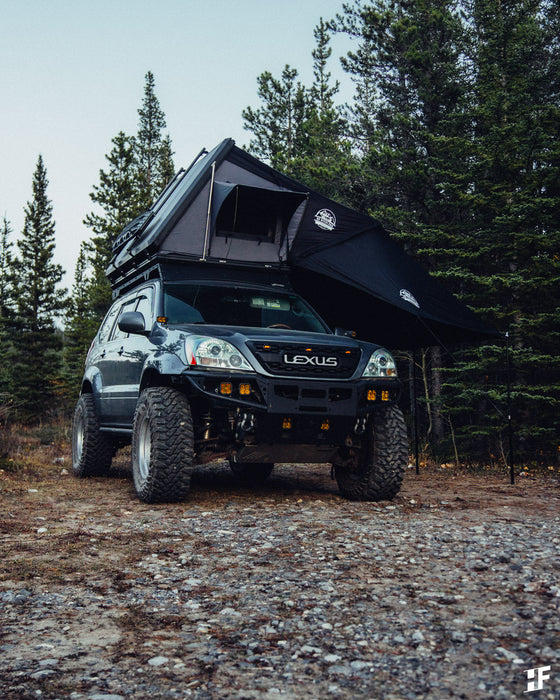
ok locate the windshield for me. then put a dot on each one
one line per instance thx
(234, 306)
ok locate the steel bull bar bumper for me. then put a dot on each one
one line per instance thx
(287, 396)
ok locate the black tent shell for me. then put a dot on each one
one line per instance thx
(230, 209)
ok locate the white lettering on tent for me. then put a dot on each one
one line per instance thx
(325, 219)
(407, 296)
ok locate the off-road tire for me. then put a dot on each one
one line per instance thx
(162, 445)
(251, 472)
(92, 450)
(377, 471)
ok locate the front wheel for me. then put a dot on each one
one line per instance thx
(377, 471)
(92, 450)
(162, 445)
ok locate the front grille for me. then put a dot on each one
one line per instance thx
(296, 360)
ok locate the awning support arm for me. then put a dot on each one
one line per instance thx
(207, 232)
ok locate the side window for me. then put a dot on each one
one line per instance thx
(108, 323)
(117, 333)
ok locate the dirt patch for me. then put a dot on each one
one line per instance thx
(282, 590)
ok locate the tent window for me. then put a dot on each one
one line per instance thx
(259, 219)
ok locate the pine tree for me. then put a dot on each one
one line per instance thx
(117, 195)
(6, 311)
(299, 130)
(408, 114)
(139, 168)
(81, 325)
(410, 126)
(38, 302)
(323, 159)
(153, 152)
(511, 270)
(165, 166)
(5, 266)
(277, 125)
(457, 123)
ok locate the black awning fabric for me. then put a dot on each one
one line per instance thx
(368, 284)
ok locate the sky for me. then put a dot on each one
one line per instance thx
(72, 75)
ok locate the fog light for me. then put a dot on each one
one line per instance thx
(372, 395)
(287, 424)
(325, 425)
(226, 388)
(244, 389)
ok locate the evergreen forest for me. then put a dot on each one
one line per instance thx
(452, 141)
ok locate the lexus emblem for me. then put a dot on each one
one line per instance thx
(315, 360)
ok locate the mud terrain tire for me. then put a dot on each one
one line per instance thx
(162, 445)
(92, 450)
(377, 471)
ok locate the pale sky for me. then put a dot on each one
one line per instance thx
(72, 76)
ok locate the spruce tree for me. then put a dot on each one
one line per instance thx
(456, 120)
(81, 325)
(323, 159)
(511, 270)
(410, 128)
(153, 152)
(6, 246)
(118, 197)
(277, 124)
(6, 311)
(139, 168)
(38, 302)
(165, 166)
(300, 130)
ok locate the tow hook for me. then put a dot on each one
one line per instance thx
(245, 424)
(360, 427)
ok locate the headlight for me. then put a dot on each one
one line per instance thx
(381, 364)
(214, 352)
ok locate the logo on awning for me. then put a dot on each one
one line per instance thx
(325, 219)
(407, 296)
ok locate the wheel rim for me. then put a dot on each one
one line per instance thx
(78, 438)
(144, 449)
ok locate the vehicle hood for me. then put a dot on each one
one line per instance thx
(241, 335)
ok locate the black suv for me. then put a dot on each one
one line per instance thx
(193, 368)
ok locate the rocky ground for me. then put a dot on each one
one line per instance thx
(278, 591)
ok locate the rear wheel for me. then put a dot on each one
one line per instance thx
(255, 472)
(92, 450)
(162, 445)
(377, 471)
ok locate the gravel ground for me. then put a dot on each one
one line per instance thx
(278, 591)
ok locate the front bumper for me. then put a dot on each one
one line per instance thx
(281, 396)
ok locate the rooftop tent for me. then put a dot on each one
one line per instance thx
(215, 211)
(232, 209)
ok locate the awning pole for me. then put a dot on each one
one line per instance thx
(206, 233)
(413, 408)
(509, 422)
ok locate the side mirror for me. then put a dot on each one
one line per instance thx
(344, 332)
(132, 322)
